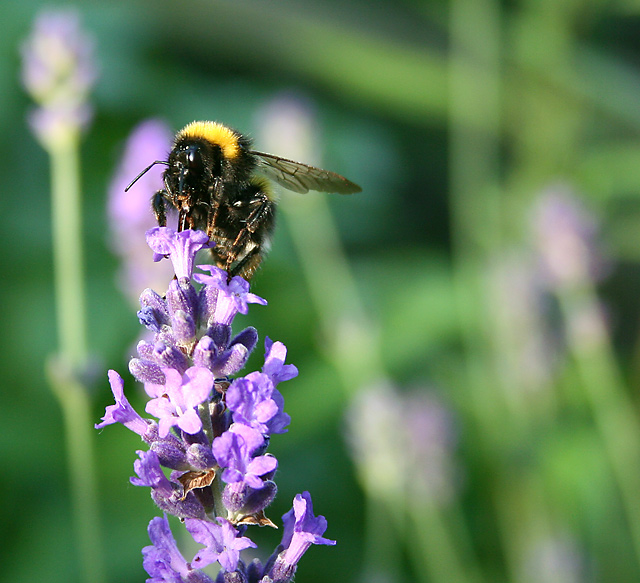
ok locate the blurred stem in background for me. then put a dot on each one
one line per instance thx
(545, 137)
(58, 72)
(565, 237)
(67, 369)
(546, 146)
(66, 207)
(475, 128)
(498, 405)
(606, 393)
(433, 538)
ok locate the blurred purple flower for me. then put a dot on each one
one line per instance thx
(287, 124)
(556, 558)
(130, 214)
(565, 236)
(431, 440)
(520, 301)
(58, 72)
(403, 443)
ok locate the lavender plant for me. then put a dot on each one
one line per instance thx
(213, 428)
(58, 72)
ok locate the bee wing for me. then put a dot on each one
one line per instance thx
(301, 177)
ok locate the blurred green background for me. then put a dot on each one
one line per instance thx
(487, 275)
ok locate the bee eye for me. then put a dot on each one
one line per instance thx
(193, 159)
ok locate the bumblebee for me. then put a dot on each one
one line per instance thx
(219, 185)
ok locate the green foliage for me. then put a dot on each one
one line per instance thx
(455, 118)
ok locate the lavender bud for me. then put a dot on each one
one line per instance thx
(207, 299)
(182, 297)
(190, 507)
(241, 499)
(152, 300)
(231, 361)
(204, 353)
(248, 338)
(220, 334)
(231, 577)
(146, 371)
(184, 328)
(199, 457)
(171, 453)
(170, 356)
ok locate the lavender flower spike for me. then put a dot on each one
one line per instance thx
(213, 430)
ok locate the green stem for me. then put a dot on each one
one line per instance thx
(217, 487)
(204, 412)
(444, 558)
(604, 388)
(66, 209)
(64, 372)
(78, 431)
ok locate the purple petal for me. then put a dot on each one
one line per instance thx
(122, 411)
(221, 541)
(150, 474)
(197, 386)
(181, 246)
(163, 559)
(274, 367)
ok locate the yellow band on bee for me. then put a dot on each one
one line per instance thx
(215, 133)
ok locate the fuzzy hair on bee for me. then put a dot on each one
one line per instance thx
(220, 185)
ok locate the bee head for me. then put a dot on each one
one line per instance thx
(194, 162)
(193, 166)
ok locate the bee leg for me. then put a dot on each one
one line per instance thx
(212, 219)
(184, 221)
(159, 205)
(258, 216)
(252, 258)
(253, 221)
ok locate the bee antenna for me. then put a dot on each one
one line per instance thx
(144, 172)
